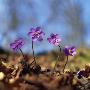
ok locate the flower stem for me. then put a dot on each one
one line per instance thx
(21, 52)
(60, 48)
(65, 64)
(33, 52)
(56, 62)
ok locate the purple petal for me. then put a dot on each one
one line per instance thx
(69, 50)
(17, 44)
(54, 39)
(36, 34)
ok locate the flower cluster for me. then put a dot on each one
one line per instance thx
(37, 34)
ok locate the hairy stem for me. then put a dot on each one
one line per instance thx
(21, 52)
(33, 52)
(56, 61)
(65, 64)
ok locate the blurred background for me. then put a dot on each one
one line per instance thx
(69, 18)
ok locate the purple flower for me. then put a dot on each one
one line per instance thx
(81, 74)
(54, 39)
(69, 50)
(17, 44)
(36, 34)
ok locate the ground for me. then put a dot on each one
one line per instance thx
(40, 77)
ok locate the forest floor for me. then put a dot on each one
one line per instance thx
(41, 75)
